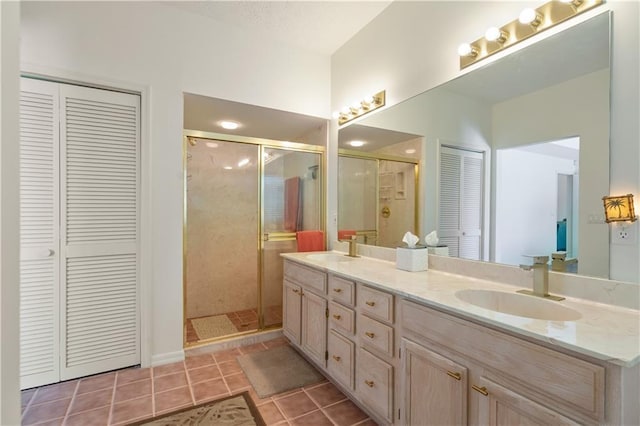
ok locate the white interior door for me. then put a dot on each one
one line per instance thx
(460, 202)
(99, 230)
(79, 174)
(39, 234)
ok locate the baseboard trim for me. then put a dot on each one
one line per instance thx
(167, 358)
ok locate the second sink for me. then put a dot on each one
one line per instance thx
(518, 304)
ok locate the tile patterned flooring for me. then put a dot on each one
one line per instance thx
(246, 320)
(123, 396)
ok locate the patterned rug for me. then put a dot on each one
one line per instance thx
(277, 370)
(214, 326)
(236, 410)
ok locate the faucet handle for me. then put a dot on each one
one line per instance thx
(538, 259)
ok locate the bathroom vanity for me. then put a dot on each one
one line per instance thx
(433, 348)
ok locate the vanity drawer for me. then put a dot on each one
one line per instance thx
(342, 290)
(375, 303)
(374, 383)
(341, 359)
(311, 278)
(341, 318)
(376, 335)
(557, 380)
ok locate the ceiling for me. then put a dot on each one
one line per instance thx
(319, 26)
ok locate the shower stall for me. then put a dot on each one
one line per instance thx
(245, 199)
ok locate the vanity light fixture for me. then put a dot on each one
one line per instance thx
(619, 208)
(358, 109)
(529, 23)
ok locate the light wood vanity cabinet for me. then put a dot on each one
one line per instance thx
(341, 347)
(305, 309)
(474, 375)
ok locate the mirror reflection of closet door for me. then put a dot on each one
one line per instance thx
(292, 201)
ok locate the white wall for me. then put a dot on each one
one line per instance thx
(168, 52)
(411, 47)
(9, 210)
(526, 225)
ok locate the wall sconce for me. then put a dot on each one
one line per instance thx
(529, 23)
(368, 104)
(619, 208)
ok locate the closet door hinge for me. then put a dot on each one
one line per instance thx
(326, 312)
(326, 355)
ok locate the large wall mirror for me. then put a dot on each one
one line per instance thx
(513, 156)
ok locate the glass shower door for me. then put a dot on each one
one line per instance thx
(291, 201)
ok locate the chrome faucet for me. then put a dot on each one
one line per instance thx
(353, 246)
(540, 278)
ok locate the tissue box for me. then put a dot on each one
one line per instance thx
(412, 259)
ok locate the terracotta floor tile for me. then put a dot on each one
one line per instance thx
(199, 361)
(133, 390)
(203, 374)
(230, 367)
(97, 417)
(227, 355)
(53, 392)
(91, 400)
(170, 381)
(132, 375)
(345, 413)
(315, 418)
(174, 367)
(367, 422)
(325, 394)
(26, 395)
(295, 405)
(45, 411)
(256, 399)
(94, 383)
(270, 413)
(172, 399)
(132, 409)
(52, 422)
(237, 382)
(208, 390)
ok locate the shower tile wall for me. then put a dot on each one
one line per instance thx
(222, 218)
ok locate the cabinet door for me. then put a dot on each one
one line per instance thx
(434, 387)
(314, 326)
(501, 406)
(292, 305)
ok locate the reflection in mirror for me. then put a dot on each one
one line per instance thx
(554, 90)
(378, 186)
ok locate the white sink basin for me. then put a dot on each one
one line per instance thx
(329, 257)
(518, 304)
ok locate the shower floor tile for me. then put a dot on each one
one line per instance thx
(245, 320)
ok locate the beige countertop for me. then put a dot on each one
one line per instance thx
(604, 332)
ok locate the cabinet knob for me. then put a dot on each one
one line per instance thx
(336, 316)
(482, 390)
(370, 303)
(337, 290)
(295, 290)
(369, 334)
(369, 383)
(456, 376)
(337, 358)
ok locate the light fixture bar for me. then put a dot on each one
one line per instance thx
(368, 104)
(544, 17)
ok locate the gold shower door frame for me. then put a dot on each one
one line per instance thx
(261, 236)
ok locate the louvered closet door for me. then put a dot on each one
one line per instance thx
(39, 236)
(99, 230)
(460, 202)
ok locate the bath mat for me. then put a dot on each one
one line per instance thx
(236, 410)
(215, 326)
(277, 370)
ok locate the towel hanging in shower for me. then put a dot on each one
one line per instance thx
(310, 240)
(292, 204)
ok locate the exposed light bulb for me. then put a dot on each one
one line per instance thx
(229, 125)
(492, 33)
(529, 16)
(465, 49)
(345, 110)
(336, 114)
(356, 143)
